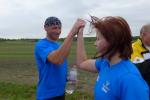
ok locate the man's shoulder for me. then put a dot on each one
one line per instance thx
(137, 47)
(44, 43)
(137, 44)
(41, 43)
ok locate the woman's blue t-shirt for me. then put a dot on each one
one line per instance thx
(120, 81)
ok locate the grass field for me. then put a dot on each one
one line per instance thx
(18, 74)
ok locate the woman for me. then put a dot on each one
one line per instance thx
(118, 78)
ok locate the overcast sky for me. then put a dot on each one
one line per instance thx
(25, 18)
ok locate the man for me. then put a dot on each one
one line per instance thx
(141, 53)
(51, 60)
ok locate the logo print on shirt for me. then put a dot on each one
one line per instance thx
(97, 78)
(105, 87)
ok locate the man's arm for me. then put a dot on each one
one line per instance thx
(58, 56)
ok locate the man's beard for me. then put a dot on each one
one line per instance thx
(54, 36)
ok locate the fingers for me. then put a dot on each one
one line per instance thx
(78, 24)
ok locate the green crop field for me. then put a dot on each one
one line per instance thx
(18, 73)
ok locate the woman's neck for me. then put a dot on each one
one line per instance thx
(115, 59)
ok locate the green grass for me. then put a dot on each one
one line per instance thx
(10, 91)
(18, 73)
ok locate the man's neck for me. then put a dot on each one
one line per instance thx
(48, 38)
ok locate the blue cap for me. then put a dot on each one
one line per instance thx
(52, 21)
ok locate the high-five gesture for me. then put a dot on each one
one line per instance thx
(78, 24)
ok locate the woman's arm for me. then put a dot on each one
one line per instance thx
(82, 61)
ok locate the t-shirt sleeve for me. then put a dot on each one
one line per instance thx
(98, 64)
(43, 51)
(133, 88)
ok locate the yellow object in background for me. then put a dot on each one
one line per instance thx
(138, 48)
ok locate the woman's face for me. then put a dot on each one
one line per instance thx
(101, 43)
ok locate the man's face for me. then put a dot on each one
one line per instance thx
(146, 38)
(53, 32)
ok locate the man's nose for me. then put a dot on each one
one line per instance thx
(58, 31)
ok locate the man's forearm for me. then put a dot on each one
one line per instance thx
(64, 50)
(59, 55)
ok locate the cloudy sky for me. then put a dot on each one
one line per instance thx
(25, 18)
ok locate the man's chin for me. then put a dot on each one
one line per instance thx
(55, 38)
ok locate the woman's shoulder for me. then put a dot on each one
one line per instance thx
(126, 67)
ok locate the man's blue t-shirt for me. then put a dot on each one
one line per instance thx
(52, 77)
(120, 81)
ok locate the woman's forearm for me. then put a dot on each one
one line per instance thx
(81, 54)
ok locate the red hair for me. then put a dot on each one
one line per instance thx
(118, 34)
